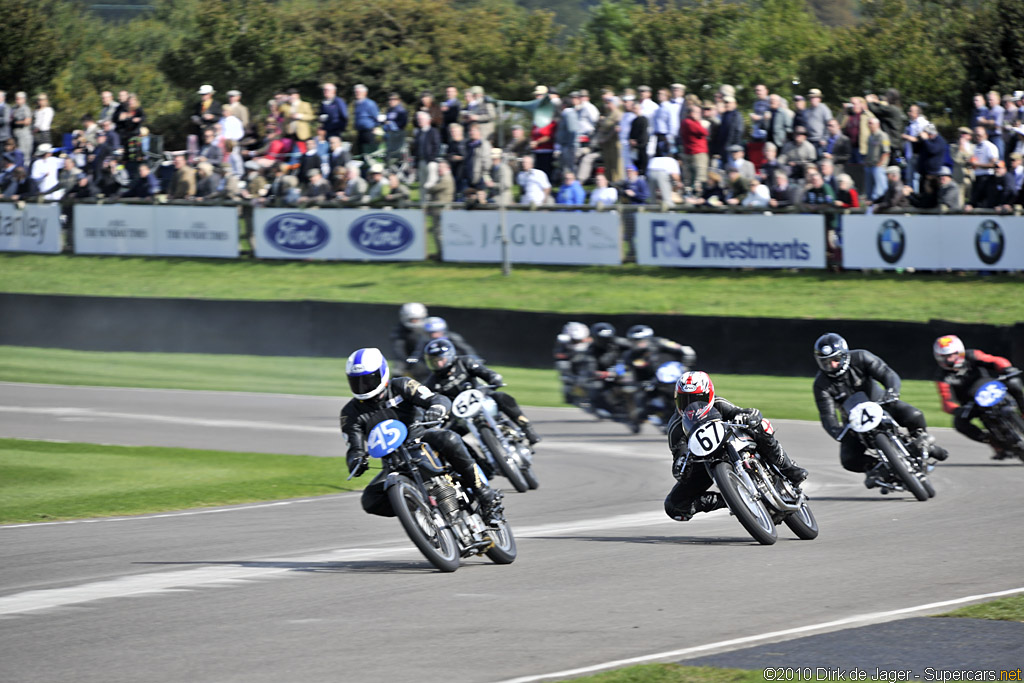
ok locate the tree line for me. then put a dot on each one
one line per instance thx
(937, 52)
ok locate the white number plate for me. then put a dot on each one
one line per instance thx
(865, 416)
(468, 403)
(706, 439)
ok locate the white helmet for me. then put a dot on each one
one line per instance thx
(949, 352)
(578, 335)
(368, 373)
(412, 314)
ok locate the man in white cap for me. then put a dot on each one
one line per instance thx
(206, 112)
(238, 110)
(45, 170)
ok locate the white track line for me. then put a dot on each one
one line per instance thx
(735, 643)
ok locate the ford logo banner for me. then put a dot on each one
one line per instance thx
(298, 233)
(381, 234)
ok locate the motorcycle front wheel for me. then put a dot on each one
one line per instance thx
(437, 544)
(502, 460)
(750, 511)
(899, 467)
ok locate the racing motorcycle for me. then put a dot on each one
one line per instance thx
(436, 511)
(660, 391)
(755, 491)
(906, 469)
(999, 413)
(502, 446)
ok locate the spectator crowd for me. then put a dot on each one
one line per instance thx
(637, 146)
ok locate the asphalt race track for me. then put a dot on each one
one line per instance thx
(316, 590)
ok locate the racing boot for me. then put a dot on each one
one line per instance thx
(790, 470)
(527, 428)
(876, 475)
(925, 444)
(490, 502)
(705, 503)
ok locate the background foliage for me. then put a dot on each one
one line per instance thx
(935, 51)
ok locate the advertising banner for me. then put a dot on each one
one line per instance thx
(933, 242)
(730, 241)
(35, 228)
(340, 234)
(156, 230)
(552, 237)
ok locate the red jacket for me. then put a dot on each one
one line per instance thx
(694, 136)
(954, 387)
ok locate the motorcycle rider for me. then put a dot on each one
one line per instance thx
(688, 496)
(960, 370)
(375, 399)
(436, 327)
(843, 372)
(452, 373)
(604, 352)
(408, 335)
(645, 356)
(571, 345)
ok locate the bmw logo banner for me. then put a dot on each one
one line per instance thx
(339, 234)
(933, 242)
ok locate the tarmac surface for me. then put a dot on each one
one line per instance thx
(316, 590)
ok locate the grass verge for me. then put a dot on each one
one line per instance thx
(1003, 609)
(570, 290)
(777, 397)
(42, 481)
(674, 673)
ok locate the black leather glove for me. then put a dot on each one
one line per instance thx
(435, 413)
(891, 395)
(358, 464)
(498, 380)
(753, 418)
(677, 464)
(964, 412)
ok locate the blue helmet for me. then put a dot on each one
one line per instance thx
(434, 324)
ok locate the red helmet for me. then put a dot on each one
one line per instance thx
(694, 387)
(949, 352)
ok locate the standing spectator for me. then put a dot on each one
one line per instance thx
(239, 110)
(498, 179)
(456, 154)
(603, 193)
(42, 120)
(45, 170)
(21, 124)
(818, 115)
(889, 113)
(233, 165)
(534, 183)
(99, 155)
(297, 115)
(478, 158)
(588, 118)
(479, 111)
(816, 192)
(855, 127)
(758, 121)
(567, 134)
(894, 197)
(635, 188)
(693, 136)
(677, 108)
(665, 176)
(5, 120)
(130, 117)
(798, 153)
(542, 110)
(645, 105)
(961, 152)
(949, 197)
(738, 161)
(397, 116)
(911, 138)
(108, 107)
(771, 163)
(835, 146)
(607, 137)
(442, 190)
(979, 112)
(364, 116)
(205, 113)
(210, 151)
(333, 114)
(337, 155)
(145, 185)
(983, 161)
(930, 159)
(450, 111)
(183, 183)
(629, 113)
(90, 129)
(113, 139)
(799, 111)
(571, 192)
(846, 195)
(519, 145)
(993, 122)
(661, 125)
(876, 160)
(67, 176)
(230, 125)
(777, 122)
(639, 136)
(1016, 174)
(426, 147)
(432, 108)
(828, 174)
(730, 131)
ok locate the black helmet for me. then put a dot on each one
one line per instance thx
(603, 330)
(640, 335)
(832, 354)
(439, 354)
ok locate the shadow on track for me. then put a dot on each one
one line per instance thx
(354, 567)
(890, 498)
(658, 540)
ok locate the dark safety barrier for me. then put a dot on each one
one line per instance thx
(770, 346)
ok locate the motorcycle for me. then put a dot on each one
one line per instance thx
(620, 393)
(660, 393)
(999, 413)
(502, 445)
(883, 438)
(755, 491)
(435, 510)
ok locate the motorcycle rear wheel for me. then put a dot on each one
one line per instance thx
(802, 523)
(437, 544)
(899, 466)
(508, 468)
(751, 513)
(504, 549)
